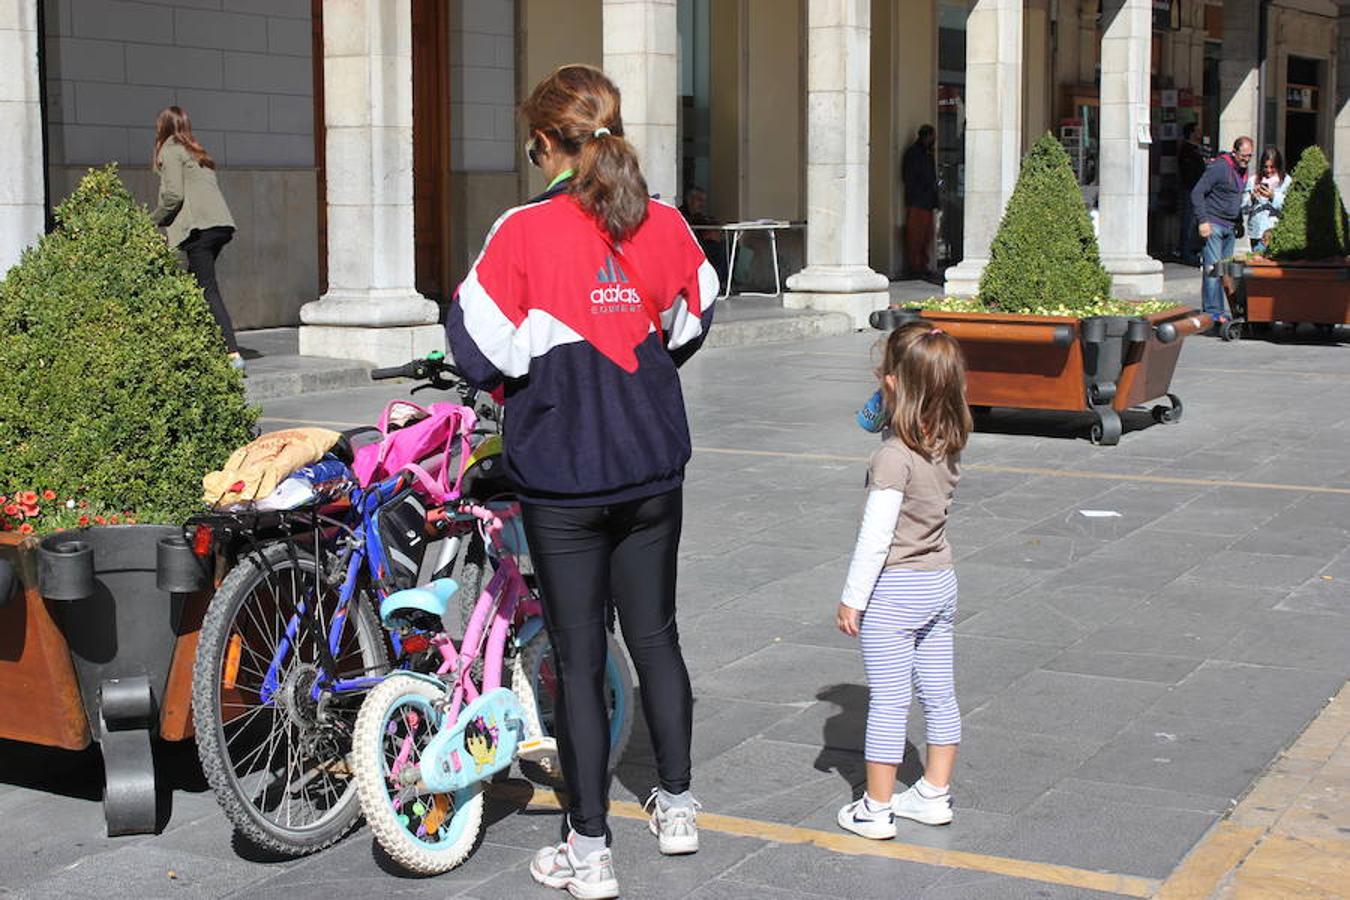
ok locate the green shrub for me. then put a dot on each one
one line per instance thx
(1045, 256)
(114, 382)
(1312, 224)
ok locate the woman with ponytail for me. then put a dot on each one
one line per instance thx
(583, 304)
(193, 210)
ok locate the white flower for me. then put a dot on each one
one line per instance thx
(70, 504)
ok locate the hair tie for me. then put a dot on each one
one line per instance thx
(935, 331)
(601, 132)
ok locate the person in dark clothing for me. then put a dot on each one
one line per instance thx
(918, 170)
(582, 305)
(1217, 203)
(695, 212)
(1191, 160)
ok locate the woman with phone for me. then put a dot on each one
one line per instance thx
(1263, 198)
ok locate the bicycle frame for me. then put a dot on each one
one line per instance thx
(503, 599)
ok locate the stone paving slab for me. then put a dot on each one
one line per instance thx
(1124, 681)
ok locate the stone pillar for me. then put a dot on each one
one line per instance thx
(371, 311)
(1122, 200)
(993, 130)
(640, 40)
(1239, 100)
(1340, 151)
(22, 203)
(837, 276)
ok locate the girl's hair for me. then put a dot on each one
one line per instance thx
(928, 399)
(174, 123)
(570, 106)
(1273, 156)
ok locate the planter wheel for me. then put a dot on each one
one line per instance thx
(1168, 415)
(1106, 430)
(1231, 330)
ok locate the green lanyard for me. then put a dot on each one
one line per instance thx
(561, 176)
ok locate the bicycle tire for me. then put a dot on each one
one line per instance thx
(619, 681)
(220, 761)
(463, 828)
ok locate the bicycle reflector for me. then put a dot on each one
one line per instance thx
(201, 540)
(416, 643)
(232, 651)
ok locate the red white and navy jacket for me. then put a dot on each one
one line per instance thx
(567, 321)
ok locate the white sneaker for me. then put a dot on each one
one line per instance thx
(913, 805)
(676, 827)
(591, 878)
(857, 818)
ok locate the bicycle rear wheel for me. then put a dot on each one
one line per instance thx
(277, 759)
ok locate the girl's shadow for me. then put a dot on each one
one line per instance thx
(843, 735)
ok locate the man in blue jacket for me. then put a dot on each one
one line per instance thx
(1217, 203)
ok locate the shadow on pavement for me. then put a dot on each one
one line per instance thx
(843, 733)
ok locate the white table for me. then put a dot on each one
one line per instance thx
(731, 236)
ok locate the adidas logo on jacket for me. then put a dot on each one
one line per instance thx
(587, 338)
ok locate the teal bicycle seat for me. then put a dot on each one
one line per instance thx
(407, 605)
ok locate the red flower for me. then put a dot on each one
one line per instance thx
(99, 520)
(31, 509)
(27, 497)
(3, 498)
(114, 520)
(25, 528)
(84, 521)
(11, 509)
(49, 494)
(5, 526)
(130, 520)
(84, 504)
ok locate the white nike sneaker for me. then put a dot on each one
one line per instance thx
(676, 827)
(913, 805)
(857, 818)
(591, 878)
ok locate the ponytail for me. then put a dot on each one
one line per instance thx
(609, 184)
(579, 107)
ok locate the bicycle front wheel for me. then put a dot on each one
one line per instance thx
(276, 757)
(424, 832)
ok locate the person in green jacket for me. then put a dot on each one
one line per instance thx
(192, 210)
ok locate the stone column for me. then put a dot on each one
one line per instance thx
(837, 276)
(372, 310)
(1122, 201)
(1239, 103)
(640, 40)
(22, 202)
(1340, 151)
(993, 130)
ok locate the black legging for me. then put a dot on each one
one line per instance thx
(583, 556)
(202, 247)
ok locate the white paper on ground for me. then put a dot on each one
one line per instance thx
(1099, 513)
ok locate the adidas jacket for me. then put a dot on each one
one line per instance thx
(593, 412)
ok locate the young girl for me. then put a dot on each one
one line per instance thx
(902, 576)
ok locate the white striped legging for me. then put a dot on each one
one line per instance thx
(907, 643)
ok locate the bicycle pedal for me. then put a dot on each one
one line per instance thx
(542, 751)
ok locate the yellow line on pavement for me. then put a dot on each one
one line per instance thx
(1054, 473)
(774, 832)
(970, 467)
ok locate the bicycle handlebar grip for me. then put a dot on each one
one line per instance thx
(403, 371)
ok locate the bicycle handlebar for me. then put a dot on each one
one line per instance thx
(442, 376)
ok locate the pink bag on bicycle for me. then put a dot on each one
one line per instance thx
(429, 432)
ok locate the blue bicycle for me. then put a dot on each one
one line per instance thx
(292, 643)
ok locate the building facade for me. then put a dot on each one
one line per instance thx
(366, 146)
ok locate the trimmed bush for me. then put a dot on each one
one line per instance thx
(1044, 259)
(1312, 224)
(114, 382)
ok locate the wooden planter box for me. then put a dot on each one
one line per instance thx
(96, 646)
(1316, 292)
(1102, 365)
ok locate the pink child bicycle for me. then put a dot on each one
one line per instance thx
(425, 744)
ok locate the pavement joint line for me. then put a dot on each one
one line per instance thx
(1055, 473)
(778, 833)
(969, 467)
